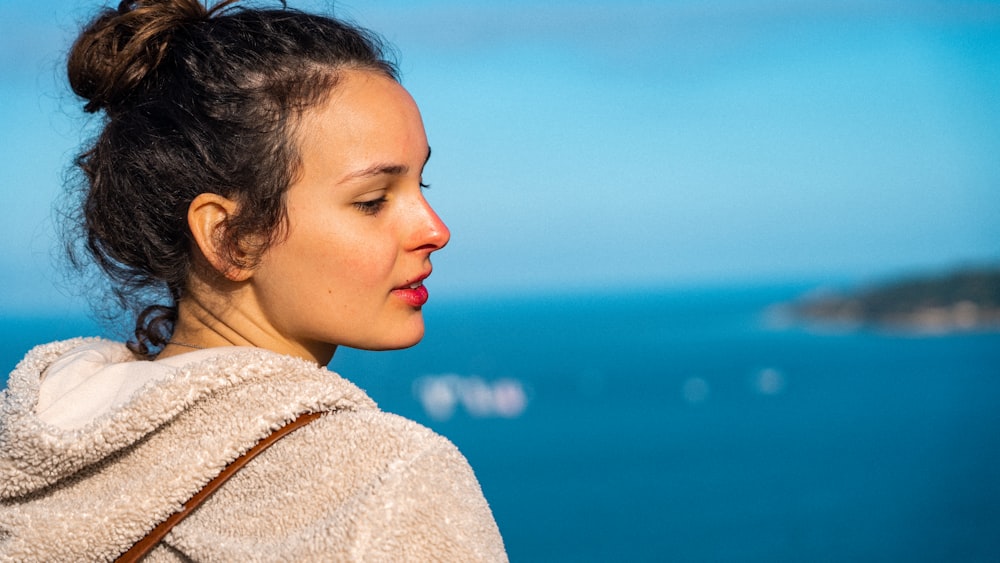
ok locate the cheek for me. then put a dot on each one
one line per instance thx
(350, 263)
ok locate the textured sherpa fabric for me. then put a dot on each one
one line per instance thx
(357, 484)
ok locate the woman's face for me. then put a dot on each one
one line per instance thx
(360, 233)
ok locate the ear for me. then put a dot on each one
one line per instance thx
(207, 217)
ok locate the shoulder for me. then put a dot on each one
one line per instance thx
(353, 485)
(376, 454)
(419, 499)
(375, 434)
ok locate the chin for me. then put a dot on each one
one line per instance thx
(407, 342)
(396, 342)
(387, 347)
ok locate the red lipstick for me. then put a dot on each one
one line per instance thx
(413, 293)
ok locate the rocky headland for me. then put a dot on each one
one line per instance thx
(961, 300)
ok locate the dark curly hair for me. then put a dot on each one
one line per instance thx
(195, 100)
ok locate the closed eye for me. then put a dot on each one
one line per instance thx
(372, 206)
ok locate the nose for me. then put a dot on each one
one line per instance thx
(429, 232)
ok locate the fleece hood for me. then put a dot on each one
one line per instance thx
(96, 485)
(35, 453)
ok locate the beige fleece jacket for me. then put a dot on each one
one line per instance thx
(357, 484)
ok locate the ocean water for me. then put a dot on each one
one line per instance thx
(691, 426)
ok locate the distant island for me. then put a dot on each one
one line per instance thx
(962, 300)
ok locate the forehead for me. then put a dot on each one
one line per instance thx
(368, 117)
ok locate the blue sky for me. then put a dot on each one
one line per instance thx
(584, 144)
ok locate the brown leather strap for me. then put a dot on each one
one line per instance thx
(146, 544)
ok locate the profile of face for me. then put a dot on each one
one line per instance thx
(351, 267)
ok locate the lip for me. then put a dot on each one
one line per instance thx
(414, 296)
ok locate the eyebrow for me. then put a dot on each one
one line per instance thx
(383, 168)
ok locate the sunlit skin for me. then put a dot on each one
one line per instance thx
(360, 233)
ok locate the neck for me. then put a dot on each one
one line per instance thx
(208, 319)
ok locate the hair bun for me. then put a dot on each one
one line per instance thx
(119, 48)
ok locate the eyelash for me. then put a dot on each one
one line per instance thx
(371, 207)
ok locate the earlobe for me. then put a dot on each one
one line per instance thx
(207, 217)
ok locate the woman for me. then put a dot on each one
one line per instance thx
(255, 194)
